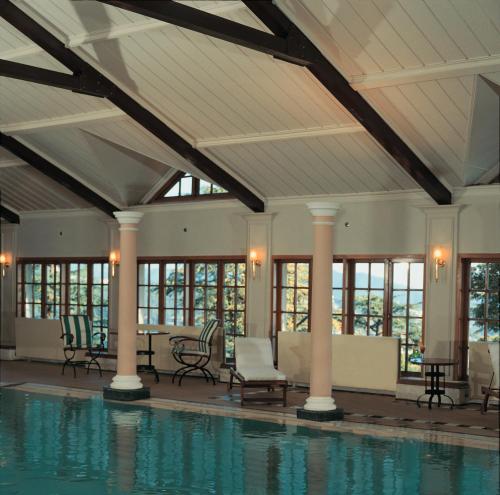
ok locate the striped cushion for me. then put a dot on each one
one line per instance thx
(80, 327)
(207, 334)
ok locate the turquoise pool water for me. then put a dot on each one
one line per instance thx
(56, 445)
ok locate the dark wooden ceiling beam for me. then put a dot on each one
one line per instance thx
(218, 27)
(55, 173)
(277, 22)
(48, 77)
(46, 40)
(9, 215)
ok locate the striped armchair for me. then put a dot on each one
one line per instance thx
(77, 335)
(196, 357)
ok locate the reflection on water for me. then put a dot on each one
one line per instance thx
(53, 445)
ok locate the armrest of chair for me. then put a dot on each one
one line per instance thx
(181, 338)
(102, 337)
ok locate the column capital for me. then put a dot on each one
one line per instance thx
(128, 217)
(323, 208)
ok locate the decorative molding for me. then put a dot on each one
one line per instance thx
(128, 217)
(278, 136)
(439, 71)
(323, 209)
(65, 121)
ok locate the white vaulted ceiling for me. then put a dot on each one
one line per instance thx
(270, 124)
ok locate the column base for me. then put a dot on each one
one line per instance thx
(332, 415)
(126, 394)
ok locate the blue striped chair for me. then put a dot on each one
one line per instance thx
(196, 357)
(77, 335)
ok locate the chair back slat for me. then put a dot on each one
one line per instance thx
(207, 334)
(78, 326)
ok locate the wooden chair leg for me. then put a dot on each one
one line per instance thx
(230, 384)
(484, 405)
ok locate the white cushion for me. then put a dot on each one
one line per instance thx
(254, 359)
(494, 350)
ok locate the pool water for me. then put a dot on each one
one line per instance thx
(57, 445)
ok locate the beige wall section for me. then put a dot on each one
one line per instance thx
(8, 247)
(358, 362)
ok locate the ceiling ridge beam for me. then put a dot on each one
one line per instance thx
(9, 215)
(339, 87)
(55, 173)
(47, 77)
(37, 33)
(278, 136)
(72, 120)
(224, 29)
(471, 67)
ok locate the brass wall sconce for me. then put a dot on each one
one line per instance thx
(439, 262)
(4, 262)
(114, 260)
(254, 260)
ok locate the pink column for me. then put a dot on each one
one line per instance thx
(126, 373)
(320, 398)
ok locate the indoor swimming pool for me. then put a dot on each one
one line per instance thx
(62, 445)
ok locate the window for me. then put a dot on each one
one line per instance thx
(291, 296)
(48, 289)
(370, 297)
(479, 304)
(148, 300)
(184, 186)
(194, 291)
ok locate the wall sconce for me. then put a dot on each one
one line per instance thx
(114, 259)
(254, 261)
(439, 262)
(4, 263)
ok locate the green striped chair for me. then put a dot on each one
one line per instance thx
(194, 358)
(77, 335)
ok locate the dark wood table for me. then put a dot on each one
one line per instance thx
(149, 368)
(437, 387)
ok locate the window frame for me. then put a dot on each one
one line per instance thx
(462, 327)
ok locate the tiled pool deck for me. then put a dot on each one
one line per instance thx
(365, 413)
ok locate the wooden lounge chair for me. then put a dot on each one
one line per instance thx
(77, 335)
(494, 387)
(255, 369)
(194, 358)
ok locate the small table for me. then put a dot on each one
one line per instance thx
(435, 374)
(149, 352)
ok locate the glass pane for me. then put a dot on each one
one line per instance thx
(50, 274)
(493, 306)
(361, 302)
(96, 294)
(476, 305)
(199, 273)
(288, 299)
(169, 317)
(399, 302)
(399, 327)
(377, 302)
(180, 296)
(73, 294)
(199, 318)
(154, 297)
(287, 322)
(240, 298)
(241, 274)
(338, 275)
(153, 317)
(211, 273)
(302, 300)
(337, 300)
(205, 187)
(360, 325)
(37, 311)
(478, 275)
(96, 273)
(336, 325)
(28, 293)
(493, 331)
(476, 331)
(170, 273)
(82, 295)
(37, 293)
(375, 326)
(417, 276)
(28, 272)
(229, 299)
(143, 296)
(229, 346)
(211, 298)
(105, 294)
(142, 316)
(83, 273)
(186, 186)
(302, 275)
(289, 274)
(173, 191)
(154, 273)
(400, 275)
(414, 330)
(199, 297)
(181, 318)
(180, 274)
(377, 276)
(361, 279)
(38, 273)
(49, 291)
(240, 323)
(302, 323)
(105, 273)
(494, 275)
(229, 273)
(416, 303)
(143, 274)
(169, 297)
